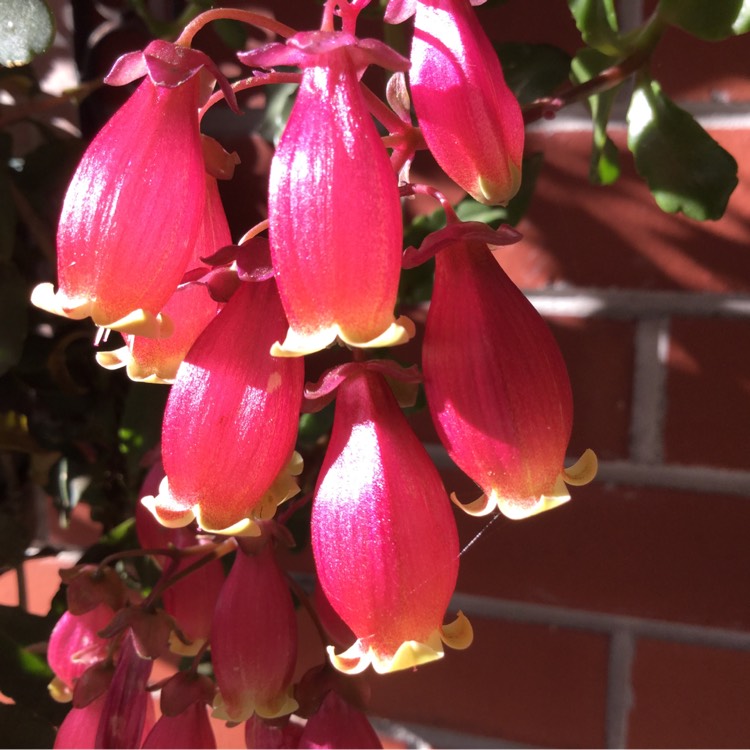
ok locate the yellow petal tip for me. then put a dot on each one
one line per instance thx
(583, 470)
(458, 634)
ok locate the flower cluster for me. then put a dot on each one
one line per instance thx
(144, 248)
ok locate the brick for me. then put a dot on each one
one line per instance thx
(708, 391)
(531, 21)
(691, 69)
(522, 683)
(689, 696)
(616, 236)
(599, 356)
(646, 552)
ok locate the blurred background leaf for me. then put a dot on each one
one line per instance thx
(27, 29)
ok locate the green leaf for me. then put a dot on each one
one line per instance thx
(741, 24)
(533, 71)
(597, 22)
(707, 20)
(605, 158)
(26, 30)
(232, 33)
(21, 727)
(279, 101)
(686, 170)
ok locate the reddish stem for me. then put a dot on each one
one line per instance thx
(244, 16)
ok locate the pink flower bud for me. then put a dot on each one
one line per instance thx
(74, 646)
(78, 729)
(271, 735)
(496, 385)
(184, 721)
(334, 210)
(190, 600)
(132, 211)
(231, 421)
(336, 724)
(126, 703)
(254, 639)
(470, 120)
(383, 533)
(190, 729)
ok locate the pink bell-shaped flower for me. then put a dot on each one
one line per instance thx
(74, 646)
(231, 420)
(495, 380)
(470, 119)
(191, 308)
(383, 532)
(336, 724)
(334, 211)
(132, 212)
(254, 638)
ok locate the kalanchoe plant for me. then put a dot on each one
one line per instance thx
(144, 247)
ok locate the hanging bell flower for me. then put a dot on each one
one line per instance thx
(184, 722)
(230, 423)
(133, 209)
(383, 533)
(334, 212)
(495, 380)
(191, 308)
(470, 119)
(254, 638)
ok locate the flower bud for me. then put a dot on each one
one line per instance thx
(125, 710)
(184, 722)
(336, 724)
(254, 639)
